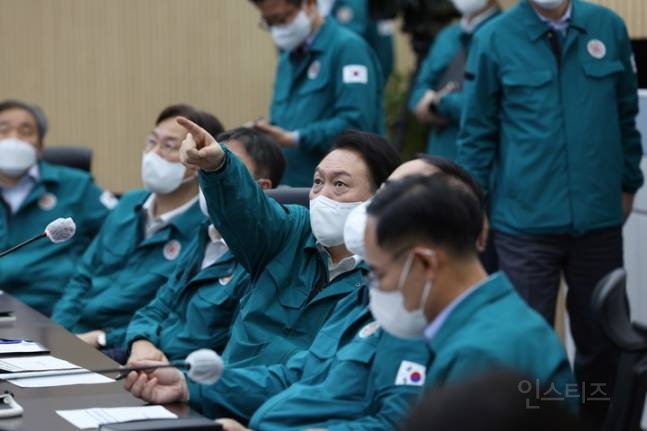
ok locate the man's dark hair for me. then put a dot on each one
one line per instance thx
(262, 149)
(294, 2)
(34, 110)
(455, 170)
(440, 209)
(202, 118)
(489, 401)
(379, 155)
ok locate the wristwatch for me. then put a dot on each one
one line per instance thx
(101, 339)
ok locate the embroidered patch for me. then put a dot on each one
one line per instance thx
(385, 27)
(47, 202)
(355, 74)
(596, 49)
(411, 373)
(344, 14)
(108, 200)
(171, 249)
(368, 330)
(313, 70)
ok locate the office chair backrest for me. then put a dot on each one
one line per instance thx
(290, 195)
(70, 156)
(611, 309)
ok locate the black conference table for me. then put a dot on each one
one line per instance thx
(40, 404)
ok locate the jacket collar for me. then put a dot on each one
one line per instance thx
(491, 291)
(536, 28)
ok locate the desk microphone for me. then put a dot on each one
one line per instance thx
(204, 366)
(59, 230)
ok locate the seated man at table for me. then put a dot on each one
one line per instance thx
(195, 308)
(32, 194)
(138, 246)
(295, 256)
(420, 239)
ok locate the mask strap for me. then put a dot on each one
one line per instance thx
(404, 274)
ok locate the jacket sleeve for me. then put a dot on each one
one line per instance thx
(451, 106)
(255, 227)
(428, 75)
(479, 133)
(147, 321)
(632, 178)
(355, 102)
(67, 310)
(224, 398)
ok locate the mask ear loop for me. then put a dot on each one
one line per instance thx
(427, 287)
(404, 274)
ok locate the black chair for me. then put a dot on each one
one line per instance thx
(70, 156)
(291, 195)
(611, 309)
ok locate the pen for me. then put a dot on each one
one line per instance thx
(10, 341)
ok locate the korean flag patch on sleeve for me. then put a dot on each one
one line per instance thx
(411, 373)
(355, 74)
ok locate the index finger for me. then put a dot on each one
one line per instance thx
(199, 134)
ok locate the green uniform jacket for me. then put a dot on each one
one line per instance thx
(354, 15)
(354, 377)
(442, 140)
(291, 296)
(121, 271)
(195, 308)
(493, 327)
(560, 136)
(334, 86)
(38, 273)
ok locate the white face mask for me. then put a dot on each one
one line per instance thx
(548, 4)
(469, 7)
(389, 311)
(327, 219)
(289, 36)
(354, 229)
(325, 6)
(16, 157)
(161, 176)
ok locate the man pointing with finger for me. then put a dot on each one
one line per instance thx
(327, 80)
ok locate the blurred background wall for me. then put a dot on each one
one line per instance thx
(103, 69)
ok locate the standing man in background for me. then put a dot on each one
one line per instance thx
(33, 193)
(355, 16)
(327, 80)
(437, 97)
(550, 106)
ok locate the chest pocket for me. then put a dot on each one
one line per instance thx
(313, 85)
(351, 369)
(602, 69)
(526, 90)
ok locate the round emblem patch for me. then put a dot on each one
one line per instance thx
(171, 249)
(596, 49)
(344, 14)
(47, 201)
(313, 70)
(368, 330)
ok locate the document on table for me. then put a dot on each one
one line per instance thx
(41, 379)
(34, 363)
(9, 347)
(93, 418)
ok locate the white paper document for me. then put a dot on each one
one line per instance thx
(8, 347)
(34, 363)
(93, 418)
(41, 379)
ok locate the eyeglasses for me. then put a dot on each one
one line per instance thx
(24, 131)
(277, 20)
(167, 148)
(371, 280)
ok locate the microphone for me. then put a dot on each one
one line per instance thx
(204, 366)
(58, 231)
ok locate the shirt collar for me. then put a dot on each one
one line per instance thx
(562, 23)
(469, 26)
(214, 235)
(153, 224)
(345, 265)
(432, 329)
